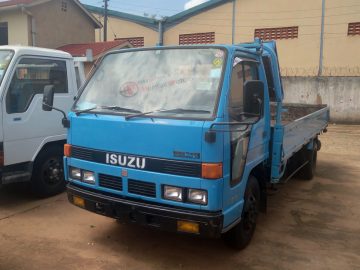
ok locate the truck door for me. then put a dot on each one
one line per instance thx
(26, 126)
(245, 146)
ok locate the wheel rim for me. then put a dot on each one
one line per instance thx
(250, 214)
(53, 172)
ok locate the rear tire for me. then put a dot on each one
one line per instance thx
(48, 174)
(308, 171)
(240, 236)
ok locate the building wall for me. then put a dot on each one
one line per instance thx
(55, 27)
(342, 94)
(299, 56)
(118, 28)
(18, 29)
(216, 20)
(341, 52)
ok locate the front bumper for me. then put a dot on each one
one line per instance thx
(150, 215)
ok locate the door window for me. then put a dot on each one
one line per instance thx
(242, 72)
(30, 78)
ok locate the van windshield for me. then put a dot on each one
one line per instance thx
(5, 58)
(176, 83)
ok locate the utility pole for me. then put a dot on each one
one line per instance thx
(322, 38)
(233, 22)
(105, 18)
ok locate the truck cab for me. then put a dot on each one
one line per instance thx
(183, 138)
(31, 141)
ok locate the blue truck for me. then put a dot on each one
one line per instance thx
(187, 138)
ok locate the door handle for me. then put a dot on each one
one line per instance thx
(17, 119)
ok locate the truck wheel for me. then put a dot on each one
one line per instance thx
(308, 171)
(239, 236)
(48, 174)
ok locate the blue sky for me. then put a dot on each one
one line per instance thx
(139, 7)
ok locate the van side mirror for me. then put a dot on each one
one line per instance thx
(48, 98)
(48, 102)
(254, 97)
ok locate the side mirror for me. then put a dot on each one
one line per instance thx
(48, 98)
(254, 97)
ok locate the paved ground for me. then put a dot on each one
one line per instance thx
(309, 225)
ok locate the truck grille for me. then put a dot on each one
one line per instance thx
(142, 188)
(168, 166)
(81, 153)
(109, 181)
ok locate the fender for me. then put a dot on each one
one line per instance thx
(46, 140)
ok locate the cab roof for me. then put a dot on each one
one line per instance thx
(27, 50)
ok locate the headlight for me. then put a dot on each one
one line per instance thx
(197, 196)
(75, 173)
(88, 177)
(173, 193)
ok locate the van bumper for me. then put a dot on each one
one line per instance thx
(149, 215)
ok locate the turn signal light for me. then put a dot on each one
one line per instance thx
(67, 150)
(212, 170)
(79, 201)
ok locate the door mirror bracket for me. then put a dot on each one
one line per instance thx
(48, 102)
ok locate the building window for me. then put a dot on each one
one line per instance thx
(135, 41)
(277, 33)
(4, 33)
(197, 38)
(354, 29)
(63, 6)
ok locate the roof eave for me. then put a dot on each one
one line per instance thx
(96, 22)
(147, 22)
(186, 14)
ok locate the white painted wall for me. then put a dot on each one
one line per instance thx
(342, 94)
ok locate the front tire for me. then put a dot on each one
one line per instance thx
(48, 174)
(240, 236)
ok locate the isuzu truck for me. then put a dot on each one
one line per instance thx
(187, 138)
(31, 140)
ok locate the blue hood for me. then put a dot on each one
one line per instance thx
(163, 138)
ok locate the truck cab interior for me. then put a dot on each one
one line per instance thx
(30, 80)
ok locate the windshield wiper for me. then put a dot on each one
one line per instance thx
(112, 108)
(177, 110)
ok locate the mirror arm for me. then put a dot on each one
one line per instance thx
(260, 106)
(65, 121)
(63, 113)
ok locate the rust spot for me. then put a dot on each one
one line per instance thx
(318, 99)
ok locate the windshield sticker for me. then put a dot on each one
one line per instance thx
(129, 89)
(219, 54)
(217, 62)
(215, 73)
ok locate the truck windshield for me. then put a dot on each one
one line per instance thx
(176, 83)
(5, 58)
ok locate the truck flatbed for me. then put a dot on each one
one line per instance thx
(301, 122)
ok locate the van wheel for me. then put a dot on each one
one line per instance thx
(48, 174)
(240, 236)
(308, 171)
